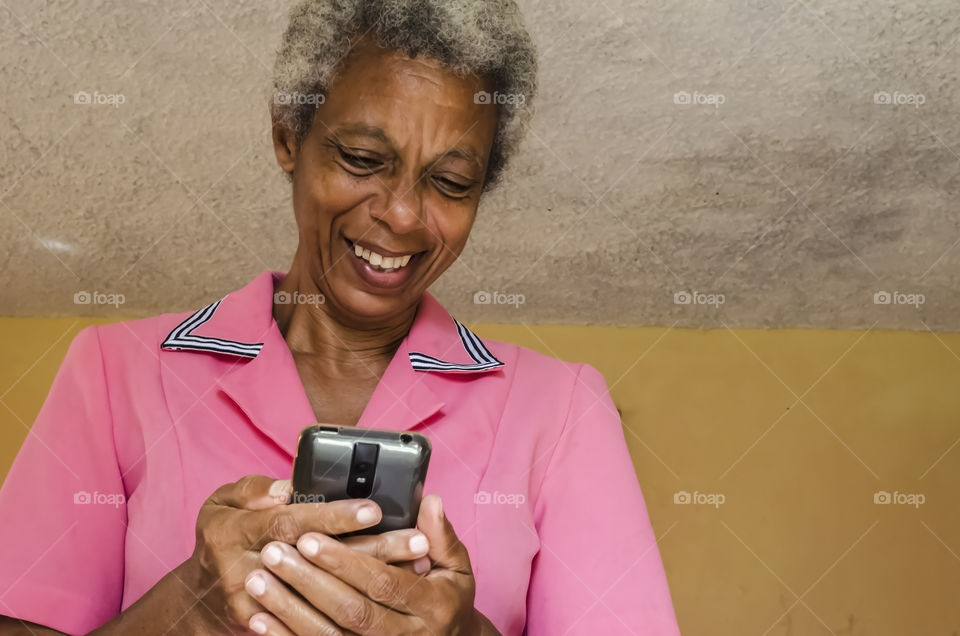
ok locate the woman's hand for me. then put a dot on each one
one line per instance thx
(363, 595)
(239, 519)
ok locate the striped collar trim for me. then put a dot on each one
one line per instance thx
(478, 352)
(183, 338)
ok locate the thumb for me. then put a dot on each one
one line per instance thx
(253, 492)
(446, 550)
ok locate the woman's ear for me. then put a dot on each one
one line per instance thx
(284, 146)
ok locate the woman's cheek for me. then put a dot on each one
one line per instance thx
(323, 198)
(456, 229)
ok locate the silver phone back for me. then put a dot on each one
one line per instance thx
(322, 467)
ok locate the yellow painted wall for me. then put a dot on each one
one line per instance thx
(797, 430)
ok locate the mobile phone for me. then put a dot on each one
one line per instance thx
(346, 462)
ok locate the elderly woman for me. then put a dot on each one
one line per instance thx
(392, 117)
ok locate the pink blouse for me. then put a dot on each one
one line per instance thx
(145, 419)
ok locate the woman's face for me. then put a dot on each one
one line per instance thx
(394, 164)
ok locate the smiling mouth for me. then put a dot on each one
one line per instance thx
(381, 262)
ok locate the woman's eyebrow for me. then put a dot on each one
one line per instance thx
(377, 133)
(466, 154)
(363, 130)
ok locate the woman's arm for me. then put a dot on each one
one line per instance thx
(62, 553)
(63, 512)
(13, 627)
(168, 603)
(598, 570)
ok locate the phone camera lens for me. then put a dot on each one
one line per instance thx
(363, 470)
(406, 439)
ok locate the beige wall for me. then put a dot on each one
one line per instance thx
(798, 198)
(796, 429)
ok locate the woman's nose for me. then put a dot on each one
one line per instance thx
(403, 212)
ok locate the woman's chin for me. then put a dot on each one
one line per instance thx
(368, 305)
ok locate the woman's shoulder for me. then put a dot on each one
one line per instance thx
(127, 344)
(533, 367)
(148, 331)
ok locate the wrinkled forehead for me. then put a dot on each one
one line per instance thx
(401, 100)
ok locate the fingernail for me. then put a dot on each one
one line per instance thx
(366, 514)
(256, 585)
(280, 490)
(440, 508)
(421, 565)
(258, 625)
(272, 554)
(309, 546)
(419, 544)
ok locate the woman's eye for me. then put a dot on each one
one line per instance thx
(451, 186)
(366, 164)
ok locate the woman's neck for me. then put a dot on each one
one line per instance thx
(313, 330)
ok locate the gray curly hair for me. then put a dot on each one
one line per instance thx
(486, 38)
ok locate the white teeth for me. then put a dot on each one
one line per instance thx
(380, 261)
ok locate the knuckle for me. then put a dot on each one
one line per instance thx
(384, 588)
(335, 515)
(218, 494)
(246, 487)
(295, 575)
(329, 630)
(209, 530)
(283, 526)
(381, 548)
(336, 567)
(355, 614)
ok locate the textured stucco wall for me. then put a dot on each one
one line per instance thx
(797, 198)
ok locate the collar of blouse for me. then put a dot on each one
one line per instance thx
(239, 330)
